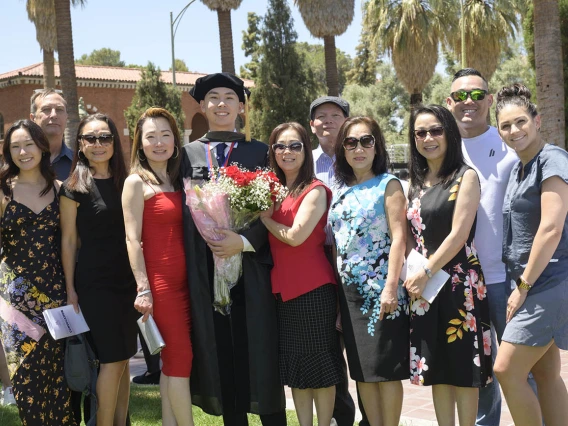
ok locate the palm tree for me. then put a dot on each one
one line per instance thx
(327, 19)
(223, 8)
(409, 31)
(67, 64)
(549, 74)
(486, 25)
(42, 14)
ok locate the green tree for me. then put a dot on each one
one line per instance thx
(180, 65)
(487, 26)
(386, 101)
(285, 85)
(105, 57)
(151, 91)
(327, 19)
(364, 70)
(251, 46)
(409, 31)
(314, 54)
(42, 14)
(223, 9)
(67, 65)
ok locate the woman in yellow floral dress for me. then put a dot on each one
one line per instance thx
(31, 277)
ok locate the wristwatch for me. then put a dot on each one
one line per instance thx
(427, 270)
(523, 284)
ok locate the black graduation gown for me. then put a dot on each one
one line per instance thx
(235, 364)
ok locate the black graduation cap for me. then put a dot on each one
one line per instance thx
(222, 79)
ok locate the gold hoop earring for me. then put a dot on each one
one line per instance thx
(139, 156)
(177, 152)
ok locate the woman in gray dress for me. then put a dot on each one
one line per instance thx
(535, 251)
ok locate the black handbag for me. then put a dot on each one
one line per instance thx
(81, 369)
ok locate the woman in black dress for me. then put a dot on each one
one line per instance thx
(101, 284)
(450, 340)
(31, 277)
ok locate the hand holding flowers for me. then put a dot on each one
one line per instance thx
(228, 203)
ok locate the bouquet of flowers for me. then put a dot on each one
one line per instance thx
(232, 199)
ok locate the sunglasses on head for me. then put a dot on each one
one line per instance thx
(462, 95)
(296, 147)
(102, 139)
(434, 132)
(367, 141)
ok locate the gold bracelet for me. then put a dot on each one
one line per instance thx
(523, 284)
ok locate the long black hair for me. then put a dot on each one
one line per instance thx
(453, 160)
(343, 171)
(10, 170)
(81, 178)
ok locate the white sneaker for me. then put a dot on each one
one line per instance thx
(8, 397)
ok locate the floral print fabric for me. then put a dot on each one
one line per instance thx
(450, 339)
(31, 280)
(360, 227)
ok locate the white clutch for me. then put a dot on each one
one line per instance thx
(151, 335)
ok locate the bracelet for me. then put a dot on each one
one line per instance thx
(523, 284)
(427, 270)
(144, 292)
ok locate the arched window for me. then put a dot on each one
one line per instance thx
(1, 127)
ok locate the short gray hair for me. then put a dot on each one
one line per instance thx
(41, 94)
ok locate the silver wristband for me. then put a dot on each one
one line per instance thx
(143, 293)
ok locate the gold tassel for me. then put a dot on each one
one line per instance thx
(247, 124)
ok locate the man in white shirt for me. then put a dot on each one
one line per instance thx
(327, 114)
(484, 151)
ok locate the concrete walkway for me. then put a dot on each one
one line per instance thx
(417, 408)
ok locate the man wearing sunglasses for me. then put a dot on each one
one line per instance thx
(49, 111)
(483, 149)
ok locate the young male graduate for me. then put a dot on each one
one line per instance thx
(235, 364)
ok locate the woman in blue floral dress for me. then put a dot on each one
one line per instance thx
(31, 277)
(368, 221)
(450, 339)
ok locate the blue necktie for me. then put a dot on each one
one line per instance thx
(220, 148)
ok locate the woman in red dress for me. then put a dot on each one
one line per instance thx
(303, 280)
(152, 204)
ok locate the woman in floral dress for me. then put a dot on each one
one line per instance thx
(368, 221)
(450, 339)
(31, 277)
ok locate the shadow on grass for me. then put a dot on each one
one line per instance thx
(146, 410)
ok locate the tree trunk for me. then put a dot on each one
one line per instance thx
(226, 41)
(48, 70)
(67, 67)
(415, 99)
(549, 71)
(331, 74)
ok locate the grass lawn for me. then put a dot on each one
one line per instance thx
(145, 409)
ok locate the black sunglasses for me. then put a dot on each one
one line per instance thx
(92, 139)
(367, 141)
(462, 95)
(296, 147)
(434, 132)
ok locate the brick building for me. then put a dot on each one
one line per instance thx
(103, 89)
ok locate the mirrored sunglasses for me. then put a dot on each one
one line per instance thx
(462, 95)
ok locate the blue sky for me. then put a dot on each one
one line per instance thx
(140, 29)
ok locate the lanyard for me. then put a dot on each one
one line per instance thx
(210, 158)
